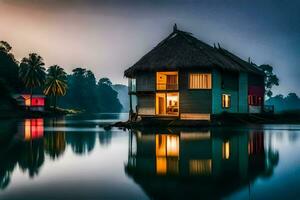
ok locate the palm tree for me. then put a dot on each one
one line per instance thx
(32, 72)
(56, 84)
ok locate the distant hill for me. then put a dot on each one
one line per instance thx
(289, 103)
(122, 95)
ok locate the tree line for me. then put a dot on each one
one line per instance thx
(78, 90)
(291, 102)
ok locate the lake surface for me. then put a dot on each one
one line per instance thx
(74, 158)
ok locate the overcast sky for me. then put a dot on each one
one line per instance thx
(110, 36)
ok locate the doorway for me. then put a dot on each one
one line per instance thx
(167, 103)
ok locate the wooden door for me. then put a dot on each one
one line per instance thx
(161, 105)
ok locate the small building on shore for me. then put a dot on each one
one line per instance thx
(185, 78)
(36, 103)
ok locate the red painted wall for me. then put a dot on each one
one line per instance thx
(38, 101)
(256, 95)
(256, 91)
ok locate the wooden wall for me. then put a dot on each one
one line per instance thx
(146, 104)
(193, 101)
(202, 101)
(145, 81)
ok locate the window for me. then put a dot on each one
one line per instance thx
(226, 101)
(226, 150)
(167, 80)
(254, 100)
(200, 81)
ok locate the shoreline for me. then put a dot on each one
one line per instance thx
(20, 114)
(225, 119)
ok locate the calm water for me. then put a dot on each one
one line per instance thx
(74, 158)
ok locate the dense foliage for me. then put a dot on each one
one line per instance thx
(85, 94)
(9, 68)
(78, 90)
(270, 79)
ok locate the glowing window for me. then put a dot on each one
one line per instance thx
(200, 81)
(226, 150)
(167, 80)
(226, 100)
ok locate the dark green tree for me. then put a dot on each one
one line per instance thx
(81, 91)
(85, 94)
(270, 79)
(9, 68)
(107, 97)
(32, 72)
(56, 84)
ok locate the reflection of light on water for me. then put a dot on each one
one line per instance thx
(200, 167)
(195, 135)
(173, 145)
(34, 128)
(167, 153)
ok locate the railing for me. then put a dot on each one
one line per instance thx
(162, 86)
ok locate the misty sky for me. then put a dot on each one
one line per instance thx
(110, 36)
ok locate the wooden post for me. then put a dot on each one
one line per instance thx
(130, 105)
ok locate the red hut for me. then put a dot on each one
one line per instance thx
(36, 103)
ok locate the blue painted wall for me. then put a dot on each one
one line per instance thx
(243, 93)
(216, 92)
(235, 85)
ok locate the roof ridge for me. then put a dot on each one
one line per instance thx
(231, 55)
(181, 49)
(196, 46)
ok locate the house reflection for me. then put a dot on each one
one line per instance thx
(27, 143)
(32, 129)
(200, 164)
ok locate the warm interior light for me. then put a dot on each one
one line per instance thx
(200, 81)
(226, 150)
(167, 103)
(36, 101)
(167, 80)
(226, 100)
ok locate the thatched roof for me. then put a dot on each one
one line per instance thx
(180, 50)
